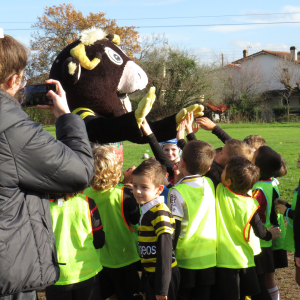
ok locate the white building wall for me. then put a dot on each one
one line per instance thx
(266, 64)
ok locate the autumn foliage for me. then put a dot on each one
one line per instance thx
(61, 25)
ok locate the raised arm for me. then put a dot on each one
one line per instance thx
(47, 165)
(209, 125)
(156, 148)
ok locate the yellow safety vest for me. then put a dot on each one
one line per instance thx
(234, 213)
(72, 228)
(197, 250)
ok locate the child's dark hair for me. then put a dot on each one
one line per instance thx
(13, 57)
(243, 174)
(152, 169)
(255, 141)
(268, 161)
(198, 157)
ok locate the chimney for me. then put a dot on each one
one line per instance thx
(293, 50)
(245, 53)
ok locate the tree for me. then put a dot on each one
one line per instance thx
(287, 75)
(177, 75)
(242, 88)
(61, 25)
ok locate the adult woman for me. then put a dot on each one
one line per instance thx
(32, 165)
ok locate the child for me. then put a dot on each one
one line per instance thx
(231, 148)
(160, 272)
(255, 141)
(192, 202)
(118, 210)
(265, 191)
(236, 213)
(288, 210)
(78, 231)
(172, 151)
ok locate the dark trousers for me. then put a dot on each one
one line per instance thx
(21, 296)
(123, 282)
(196, 284)
(149, 285)
(89, 292)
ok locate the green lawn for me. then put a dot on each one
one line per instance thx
(283, 138)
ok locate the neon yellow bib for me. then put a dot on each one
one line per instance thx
(74, 240)
(267, 188)
(120, 247)
(234, 213)
(289, 243)
(197, 250)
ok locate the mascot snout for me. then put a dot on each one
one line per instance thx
(133, 78)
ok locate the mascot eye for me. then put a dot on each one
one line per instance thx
(113, 56)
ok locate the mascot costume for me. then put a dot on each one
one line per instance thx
(97, 77)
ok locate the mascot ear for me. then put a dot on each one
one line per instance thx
(71, 70)
(113, 38)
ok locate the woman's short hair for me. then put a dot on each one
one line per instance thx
(108, 168)
(13, 57)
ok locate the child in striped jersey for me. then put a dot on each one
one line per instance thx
(157, 225)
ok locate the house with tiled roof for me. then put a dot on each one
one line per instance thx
(269, 63)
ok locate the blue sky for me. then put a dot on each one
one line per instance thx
(207, 42)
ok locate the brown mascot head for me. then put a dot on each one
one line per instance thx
(97, 74)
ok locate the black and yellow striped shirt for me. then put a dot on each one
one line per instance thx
(156, 219)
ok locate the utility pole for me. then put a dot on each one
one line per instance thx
(222, 59)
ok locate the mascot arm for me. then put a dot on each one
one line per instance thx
(111, 130)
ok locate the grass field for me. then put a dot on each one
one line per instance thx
(283, 138)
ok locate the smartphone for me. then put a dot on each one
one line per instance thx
(33, 95)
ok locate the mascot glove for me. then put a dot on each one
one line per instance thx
(196, 109)
(145, 106)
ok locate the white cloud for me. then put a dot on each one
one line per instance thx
(254, 47)
(288, 13)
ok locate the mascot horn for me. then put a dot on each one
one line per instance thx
(97, 77)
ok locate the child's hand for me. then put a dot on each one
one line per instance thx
(280, 209)
(128, 175)
(196, 128)
(276, 232)
(280, 201)
(189, 122)
(146, 128)
(142, 294)
(159, 297)
(180, 131)
(206, 124)
(297, 260)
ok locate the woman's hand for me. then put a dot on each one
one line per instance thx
(60, 105)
